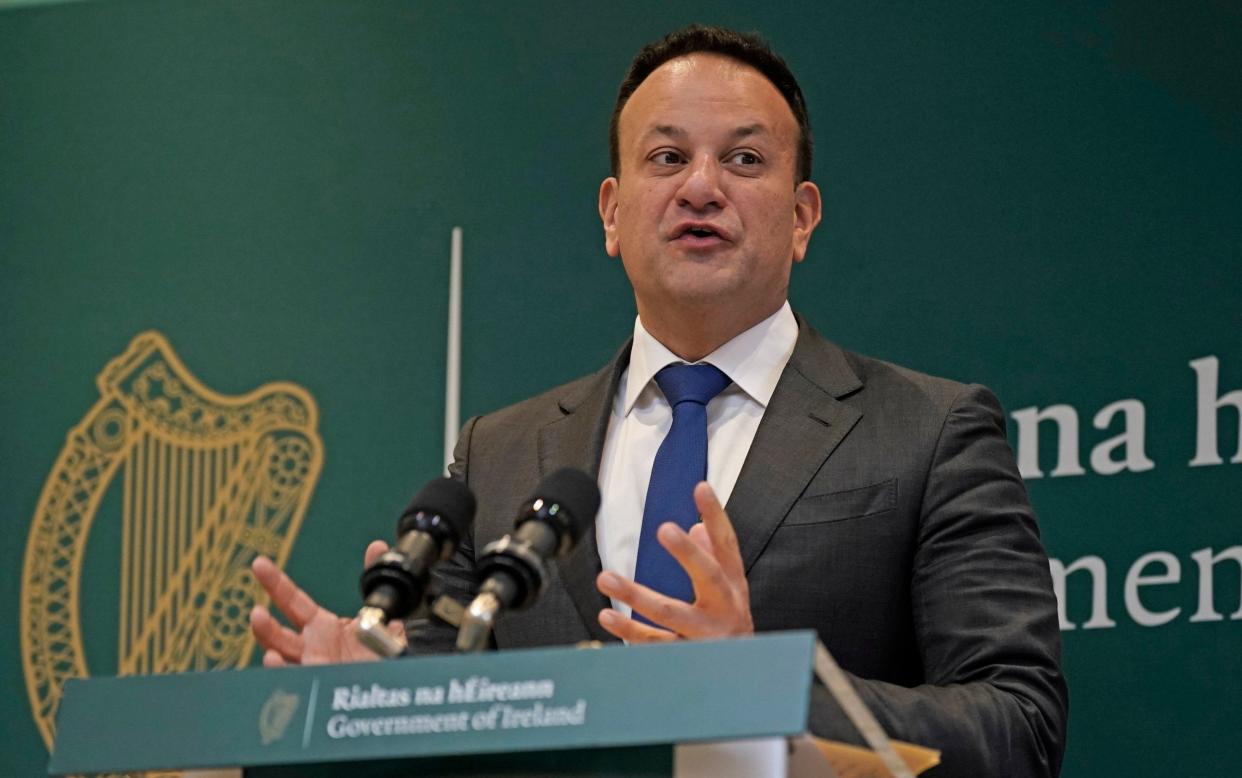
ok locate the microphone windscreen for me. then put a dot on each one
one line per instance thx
(447, 498)
(577, 494)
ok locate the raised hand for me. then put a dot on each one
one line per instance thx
(318, 636)
(710, 555)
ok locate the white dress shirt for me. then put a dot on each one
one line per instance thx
(641, 417)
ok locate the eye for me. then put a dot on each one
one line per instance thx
(667, 157)
(746, 158)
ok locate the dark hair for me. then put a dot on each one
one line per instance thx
(747, 48)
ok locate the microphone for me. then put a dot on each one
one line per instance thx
(396, 584)
(513, 568)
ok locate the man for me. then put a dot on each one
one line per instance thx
(878, 506)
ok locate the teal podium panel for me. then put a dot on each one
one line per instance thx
(562, 699)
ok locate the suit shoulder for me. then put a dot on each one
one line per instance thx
(889, 383)
(545, 406)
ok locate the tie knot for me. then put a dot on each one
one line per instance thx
(691, 383)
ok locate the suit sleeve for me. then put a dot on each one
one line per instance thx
(454, 577)
(994, 700)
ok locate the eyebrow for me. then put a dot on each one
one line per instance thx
(678, 133)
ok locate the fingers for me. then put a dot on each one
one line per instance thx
(632, 631)
(711, 557)
(706, 574)
(698, 533)
(275, 637)
(375, 550)
(296, 604)
(678, 616)
(720, 531)
(273, 659)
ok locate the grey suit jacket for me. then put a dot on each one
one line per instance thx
(878, 506)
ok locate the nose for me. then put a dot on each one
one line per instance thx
(700, 188)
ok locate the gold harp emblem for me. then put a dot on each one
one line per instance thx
(276, 714)
(206, 481)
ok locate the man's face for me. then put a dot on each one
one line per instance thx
(705, 211)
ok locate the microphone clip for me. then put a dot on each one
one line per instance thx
(372, 632)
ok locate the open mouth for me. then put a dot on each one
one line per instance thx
(700, 232)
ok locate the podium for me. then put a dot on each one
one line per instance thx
(611, 711)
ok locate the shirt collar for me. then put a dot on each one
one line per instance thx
(753, 360)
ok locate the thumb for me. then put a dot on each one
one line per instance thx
(375, 549)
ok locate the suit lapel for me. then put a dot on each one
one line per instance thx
(577, 440)
(803, 424)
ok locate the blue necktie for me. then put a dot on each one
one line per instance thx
(680, 463)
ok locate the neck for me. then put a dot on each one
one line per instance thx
(692, 334)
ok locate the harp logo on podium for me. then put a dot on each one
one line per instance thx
(200, 483)
(276, 714)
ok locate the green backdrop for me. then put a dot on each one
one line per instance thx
(1043, 198)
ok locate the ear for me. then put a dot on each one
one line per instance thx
(608, 199)
(808, 210)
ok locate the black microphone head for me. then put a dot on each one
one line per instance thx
(447, 498)
(576, 493)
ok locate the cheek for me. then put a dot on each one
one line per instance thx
(643, 205)
(635, 228)
(775, 220)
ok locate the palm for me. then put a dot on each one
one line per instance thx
(330, 639)
(317, 636)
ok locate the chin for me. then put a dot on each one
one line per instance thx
(702, 294)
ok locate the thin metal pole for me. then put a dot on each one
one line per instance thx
(452, 372)
(832, 676)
